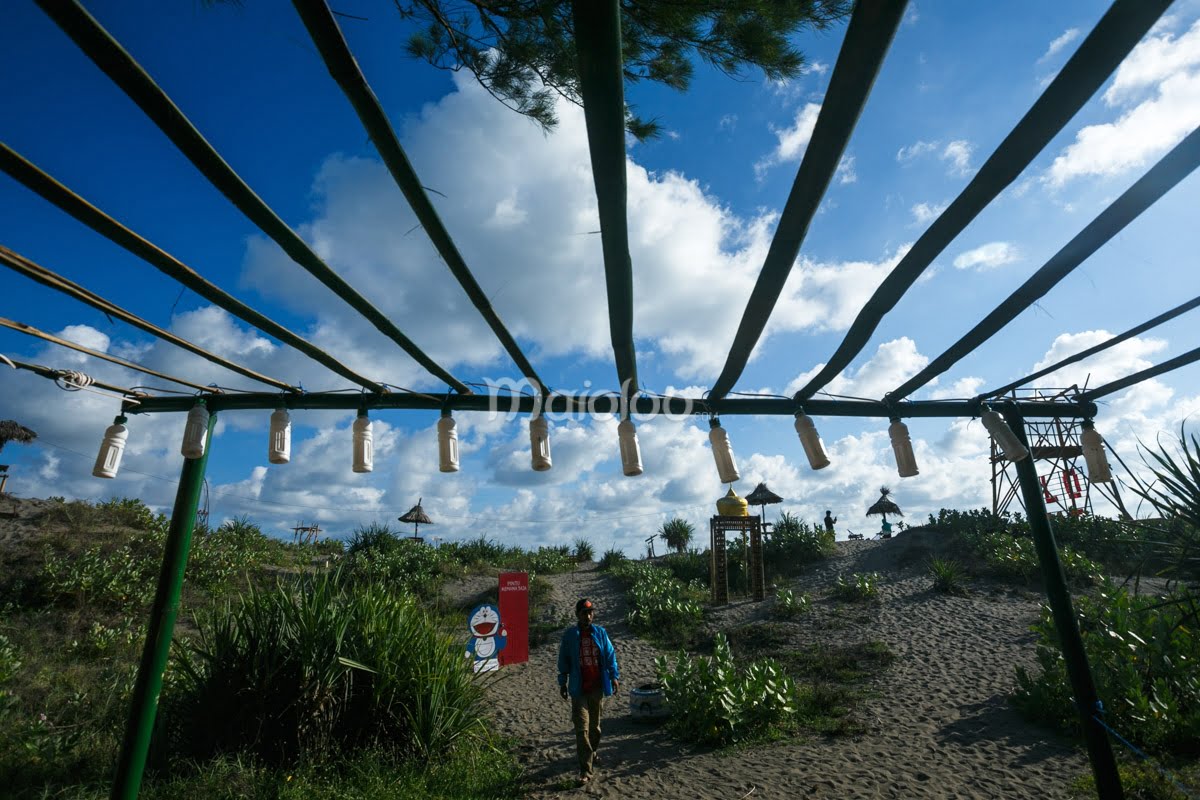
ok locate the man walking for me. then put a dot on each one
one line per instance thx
(587, 673)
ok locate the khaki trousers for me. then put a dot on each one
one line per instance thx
(585, 716)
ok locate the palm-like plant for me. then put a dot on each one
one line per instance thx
(677, 533)
(11, 431)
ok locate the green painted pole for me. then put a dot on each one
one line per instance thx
(132, 761)
(1104, 766)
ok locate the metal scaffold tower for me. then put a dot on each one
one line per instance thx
(1057, 453)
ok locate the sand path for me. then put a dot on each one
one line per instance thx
(937, 725)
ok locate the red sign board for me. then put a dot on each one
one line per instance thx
(514, 612)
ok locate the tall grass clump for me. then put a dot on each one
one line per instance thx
(714, 701)
(661, 606)
(317, 667)
(948, 576)
(793, 544)
(584, 551)
(612, 558)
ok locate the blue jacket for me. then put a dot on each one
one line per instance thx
(568, 660)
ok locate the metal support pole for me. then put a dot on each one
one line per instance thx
(1104, 766)
(138, 730)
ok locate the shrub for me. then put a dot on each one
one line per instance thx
(551, 560)
(317, 667)
(661, 606)
(713, 701)
(789, 606)
(793, 544)
(373, 538)
(677, 533)
(859, 588)
(584, 550)
(612, 558)
(948, 576)
(1144, 658)
(404, 565)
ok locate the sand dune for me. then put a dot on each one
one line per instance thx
(937, 726)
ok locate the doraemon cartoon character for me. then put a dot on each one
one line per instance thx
(488, 637)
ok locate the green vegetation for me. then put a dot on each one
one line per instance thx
(789, 606)
(948, 576)
(662, 608)
(793, 544)
(677, 533)
(584, 551)
(858, 588)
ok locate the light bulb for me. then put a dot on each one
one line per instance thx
(195, 432)
(279, 445)
(539, 443)
(631, 455)
(108, 460)
(810, 440)
(1013, 449)
(1098, 468)
(722, 452)
(906, 460)
(447, 443)
(364, 451)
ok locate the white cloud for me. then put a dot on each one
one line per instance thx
(925, 213)
(727, 122)
(892, 364)
(792, 140)
(1163, 70)
(960, 389)
(958, 155)
(845, 171)
(1068, 36)
(918, 148)
(988, 256)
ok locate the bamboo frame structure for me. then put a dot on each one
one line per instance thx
(598, 27)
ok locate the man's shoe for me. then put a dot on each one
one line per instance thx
(584, 779)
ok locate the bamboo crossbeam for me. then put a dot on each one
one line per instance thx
(872, 27)
(327, 36)
(129, 76)
(29, 330)
(1117, 33)
(611, 403)
(1106, 344)
(1162, 177)
(60, 374)
(39, 182)
(1190, 357)
(36, 272)
(601, 85)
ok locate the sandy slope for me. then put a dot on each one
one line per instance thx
(938, 726)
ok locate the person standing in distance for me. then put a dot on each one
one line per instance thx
(587, 673)
(830, 519)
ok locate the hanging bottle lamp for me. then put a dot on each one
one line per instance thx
(906, 460)
(112, 447)
(810, 440)
(364, 451)
(1003, 435)
(539, 443)
(447, 442)
(631, 454)
(279, 444)
(195, 432)
(1093, 453)
(722, 452)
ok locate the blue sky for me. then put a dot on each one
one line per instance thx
(704, 200)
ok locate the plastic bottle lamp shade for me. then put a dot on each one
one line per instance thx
(1093, 453)
(539, 443)
(906, 461)
(810, 440)
(1003, 435)
(108, 461)
(631, 454)
(364, 451)
(722, 452)
(279, 447)
(447, 443)
(195, 432)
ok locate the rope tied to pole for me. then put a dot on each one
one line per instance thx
(1098, 717)
(71, 380)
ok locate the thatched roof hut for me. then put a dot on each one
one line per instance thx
(417, 516)
(10, 431)
(883, 506)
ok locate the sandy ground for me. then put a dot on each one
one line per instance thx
(936, 726)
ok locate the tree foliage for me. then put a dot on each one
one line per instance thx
(677, 533)
(523, 51)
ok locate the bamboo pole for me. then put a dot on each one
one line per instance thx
(1104, 766)
(132, 761)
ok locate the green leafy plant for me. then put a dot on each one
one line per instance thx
(661, 606)
(948, 576)
(713, 701)
(858, 588)
(789, 606)
(794, 543)
(677, 533)
(584, 551)
(612, 558)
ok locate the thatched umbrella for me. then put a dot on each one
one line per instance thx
(883, 506)
(761, 496)
(417, 516)
(10, 431)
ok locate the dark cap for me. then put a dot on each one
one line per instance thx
(584, 605)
